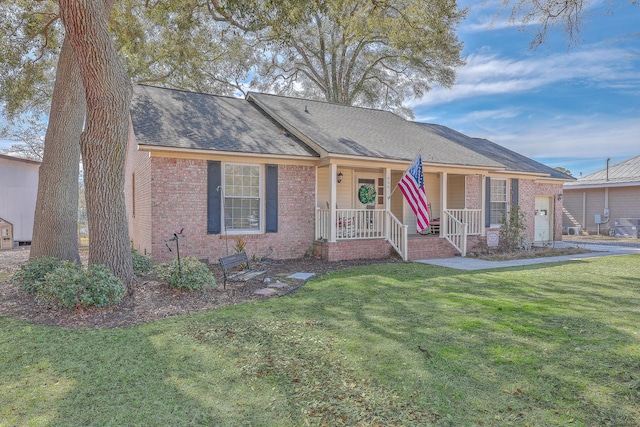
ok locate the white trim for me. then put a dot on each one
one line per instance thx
(602, 185)
(261, 200)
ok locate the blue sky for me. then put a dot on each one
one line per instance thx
(563, 106)
(572, 107)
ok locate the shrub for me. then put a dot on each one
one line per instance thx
(74, 286)
(513, 230)
(142, 264)
(240, 245)
(30, 276)
(191, 274)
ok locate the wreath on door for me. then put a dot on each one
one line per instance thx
(367, 194)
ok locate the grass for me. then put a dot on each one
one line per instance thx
(399, 344)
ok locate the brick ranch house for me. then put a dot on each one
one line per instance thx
(292, 177)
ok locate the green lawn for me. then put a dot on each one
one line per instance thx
(399, 344)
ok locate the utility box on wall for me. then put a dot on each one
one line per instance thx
(628, 227)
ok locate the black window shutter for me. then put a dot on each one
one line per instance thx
(271, 186)
(487, 203)
(214, 197)
(514, 191)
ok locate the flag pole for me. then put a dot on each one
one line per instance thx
(412, 162)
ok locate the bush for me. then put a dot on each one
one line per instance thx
(74, 286)
(513, 230)
(192, 274)
(142, 264)
(31, 275)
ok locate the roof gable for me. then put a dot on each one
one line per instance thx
(174, 118)
(270, 124)
(344, 130)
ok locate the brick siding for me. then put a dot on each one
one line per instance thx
(528, 189)
(353, 249)
(179, 201)
(473, 190)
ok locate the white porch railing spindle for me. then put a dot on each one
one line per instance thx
(322, 224)
(457, 232)
(471, 217)
(398, 236)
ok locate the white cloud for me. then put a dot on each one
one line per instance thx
(490, 74)
(566, 136)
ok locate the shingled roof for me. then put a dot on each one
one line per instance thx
(278, 125)
(174, 118)
(625, 173)
(511, 160)
(342, 130)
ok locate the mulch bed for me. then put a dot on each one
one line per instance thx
(152, 300)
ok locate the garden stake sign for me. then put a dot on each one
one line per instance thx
(176, 238)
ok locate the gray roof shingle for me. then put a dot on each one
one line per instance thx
(511, 160)
(344, 130)
(174, 118)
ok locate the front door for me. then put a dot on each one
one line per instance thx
(366, 193)
(544, 219)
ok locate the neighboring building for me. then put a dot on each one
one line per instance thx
(285, 175)
(594, 202)
(18, 192)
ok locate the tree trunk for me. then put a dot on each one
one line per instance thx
(104, 142)
(55, 228)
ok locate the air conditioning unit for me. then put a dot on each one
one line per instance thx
(574, 231)
(628, 227)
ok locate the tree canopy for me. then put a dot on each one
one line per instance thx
(355, 52)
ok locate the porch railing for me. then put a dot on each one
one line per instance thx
(351, 223)
(456, 233)
(471, 217)
(398, 236)
(370, 224)
(363, 224)
(323, 224)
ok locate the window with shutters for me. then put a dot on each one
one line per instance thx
(499, 201)
(242, 197)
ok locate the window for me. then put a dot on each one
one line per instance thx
(242, 197)
(498, 205)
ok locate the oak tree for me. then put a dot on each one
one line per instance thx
(355, 52)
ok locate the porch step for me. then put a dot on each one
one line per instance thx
(427, 247)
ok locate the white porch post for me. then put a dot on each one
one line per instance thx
(333, 188)
(443, 204)
(387, 202)
(483, 205)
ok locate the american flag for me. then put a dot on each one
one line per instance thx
(412, 186)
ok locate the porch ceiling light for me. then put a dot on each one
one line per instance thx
(340, 177)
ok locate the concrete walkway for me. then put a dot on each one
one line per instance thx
(599, 249)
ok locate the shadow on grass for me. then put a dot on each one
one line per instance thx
(548, 341)
(398, 344)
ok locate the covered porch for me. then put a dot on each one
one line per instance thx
(356, 203)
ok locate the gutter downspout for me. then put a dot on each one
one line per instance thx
(584, 210)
